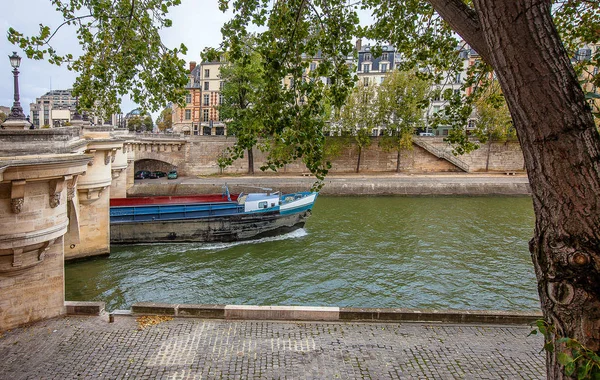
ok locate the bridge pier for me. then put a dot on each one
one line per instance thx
(34, 203)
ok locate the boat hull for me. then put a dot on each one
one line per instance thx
(213, 229)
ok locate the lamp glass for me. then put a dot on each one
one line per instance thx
(15, 60)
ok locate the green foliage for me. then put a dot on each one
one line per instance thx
(243, 88)
(3, 117)
(121, 52)
(401, 100)
(296, 33)
(165, 119)
(360, 115)
(136, 123)
(494, 122)
(577, 360)
(147, 123)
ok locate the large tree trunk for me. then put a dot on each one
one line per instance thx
(487, 159)
(398, 162)
(358, 161)
(562, 155)
(250, 161)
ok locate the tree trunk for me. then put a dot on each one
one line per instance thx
(358, 161)
(250, 161)
(562, 155)
(487, 159)
(398, 162)
(561, 147)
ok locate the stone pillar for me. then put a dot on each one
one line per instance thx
(33, 220)
(131, 165)
(93, 192)
(118, 187)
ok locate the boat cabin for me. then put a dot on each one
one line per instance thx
(259, 201)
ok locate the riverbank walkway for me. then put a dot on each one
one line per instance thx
(471, 184)
(192, 348)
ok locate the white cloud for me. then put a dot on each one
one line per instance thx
(197, 24)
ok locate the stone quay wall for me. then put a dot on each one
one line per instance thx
(198, 156)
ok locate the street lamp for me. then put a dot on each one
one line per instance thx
(16, 112)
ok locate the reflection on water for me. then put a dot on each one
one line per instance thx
(453, 252)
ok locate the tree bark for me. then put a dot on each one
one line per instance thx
(561, 147)
(487, 159)
(250, 161)
(398, 162)
(358, 161)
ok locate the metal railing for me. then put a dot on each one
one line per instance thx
(448, 156)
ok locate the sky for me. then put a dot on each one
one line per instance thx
(196, 23)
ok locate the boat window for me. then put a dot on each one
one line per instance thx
(272, 204)
(262, 204)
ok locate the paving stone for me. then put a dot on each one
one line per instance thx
(190, 348)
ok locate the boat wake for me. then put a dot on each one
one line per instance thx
(218, 246)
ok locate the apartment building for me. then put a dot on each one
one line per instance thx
(210, 79)
(186, 119)
(56, 108)
(372, 69)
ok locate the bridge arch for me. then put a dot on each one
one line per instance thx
(153, 165)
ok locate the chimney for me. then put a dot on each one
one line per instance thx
(358, 44)
(192, 65)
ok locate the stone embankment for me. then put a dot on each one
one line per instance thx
(346, 185)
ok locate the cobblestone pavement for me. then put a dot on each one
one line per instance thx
(92, 348)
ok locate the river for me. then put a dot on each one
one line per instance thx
(413, 252)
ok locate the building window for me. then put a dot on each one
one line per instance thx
(457, 78)
(204, 115)
(206, 131)
(221, 85)
(366, 81)
(220, 131)
(195, 130)
(205, 86)
(366, 68)
(188, 114)
(383, 67)
(313, 66)
(384, 57)
(220, 99)
(188, 98)
(367, 56)
(206, 99)
(206, 73)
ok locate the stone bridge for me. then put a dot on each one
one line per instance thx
(56, 185)
(155, 153)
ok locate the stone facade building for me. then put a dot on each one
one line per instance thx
(200, 115)
(186, 120)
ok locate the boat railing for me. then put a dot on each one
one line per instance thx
(169, 212)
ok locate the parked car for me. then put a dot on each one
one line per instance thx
(426, 134)
(141, 174)
(159, 174)
(152, 175)
(172, 174)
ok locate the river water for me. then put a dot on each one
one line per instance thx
(414, 252)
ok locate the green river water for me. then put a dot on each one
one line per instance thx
(413, 252)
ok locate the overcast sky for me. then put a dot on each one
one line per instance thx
(196, 23)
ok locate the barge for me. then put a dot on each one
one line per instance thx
(207, 218)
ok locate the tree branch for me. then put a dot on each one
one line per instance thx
(464, 21)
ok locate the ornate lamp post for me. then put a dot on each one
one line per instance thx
(16, 118)
(16, 112)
